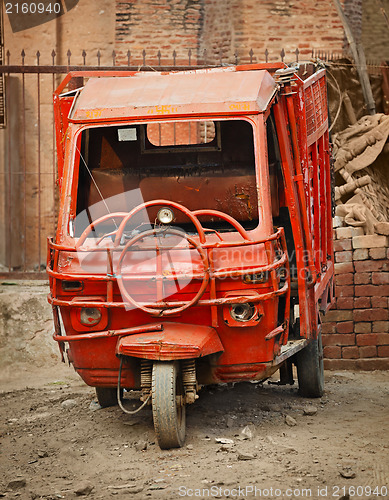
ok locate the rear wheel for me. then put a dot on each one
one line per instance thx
(310, 369)
(107, 396)
(168, 405)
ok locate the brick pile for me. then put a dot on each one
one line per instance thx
(355, 331)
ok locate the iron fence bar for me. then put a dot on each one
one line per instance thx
(67, 69)
(39, 166)
(9, 201)
(24, 171)
(54, 146)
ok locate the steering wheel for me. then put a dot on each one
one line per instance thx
(162, 311)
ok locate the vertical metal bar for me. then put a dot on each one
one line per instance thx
(159, 269)
(323, 207)
(212, 287)
(328, 200)
(316, 207)
(54, 162)
(24, 246)
(9, 204)
(284, 250)
(110, 272)
(295, 214)
(39, 170)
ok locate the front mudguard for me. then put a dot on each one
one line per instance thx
(175, 341)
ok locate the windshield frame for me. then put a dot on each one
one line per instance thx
(68, 201)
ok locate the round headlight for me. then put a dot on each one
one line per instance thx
(90, 316)
(242, 312)
(165, 215)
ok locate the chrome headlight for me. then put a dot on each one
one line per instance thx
(90, 316)
(242, 312)
(165, 215)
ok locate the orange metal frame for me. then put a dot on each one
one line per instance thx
(249, 351)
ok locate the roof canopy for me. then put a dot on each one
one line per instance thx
(148, 95)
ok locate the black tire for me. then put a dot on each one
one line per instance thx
(107, 396)
(310, 369)
(169, 417)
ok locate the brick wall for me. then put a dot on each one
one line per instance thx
(228, 27)
(353, 12)
(355, 331)
(154, 25)
(375, 31)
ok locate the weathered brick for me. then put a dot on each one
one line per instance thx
(344, 267)
(377, 253)
(344, 256)
(379, 302)
(332, 352)
(380, 326)
(344, 233)
(362, 302)
(329, 327)
(362, 327)
(368, 351)
(382, 338)
(339, 339)
(370, 314)
(370, 241)
(339, 315)
(341, 245)
(362, 278)
(345, 291)
(367, 364)
(383, 351)
(366, 339)
(344, 279)
(371, 290)
(380, 278)
(345, 302)
(351, 352)
(337, 221)
(382, 228)
(345, 327)
(371, 266)
(348, 232)
(361, 254)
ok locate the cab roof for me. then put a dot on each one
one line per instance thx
(153, 95)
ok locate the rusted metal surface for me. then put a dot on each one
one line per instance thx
(154, 95)
(176, 341)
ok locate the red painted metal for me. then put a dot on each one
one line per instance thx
(237, 267)
(176, 341)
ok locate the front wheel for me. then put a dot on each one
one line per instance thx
(310, 369)
(168, 404)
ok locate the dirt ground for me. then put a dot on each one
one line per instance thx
(57, 443)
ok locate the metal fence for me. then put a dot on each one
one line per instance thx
(28, 199)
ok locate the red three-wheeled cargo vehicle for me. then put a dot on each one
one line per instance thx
(194, 240)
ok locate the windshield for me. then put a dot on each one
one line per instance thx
(199, 164)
